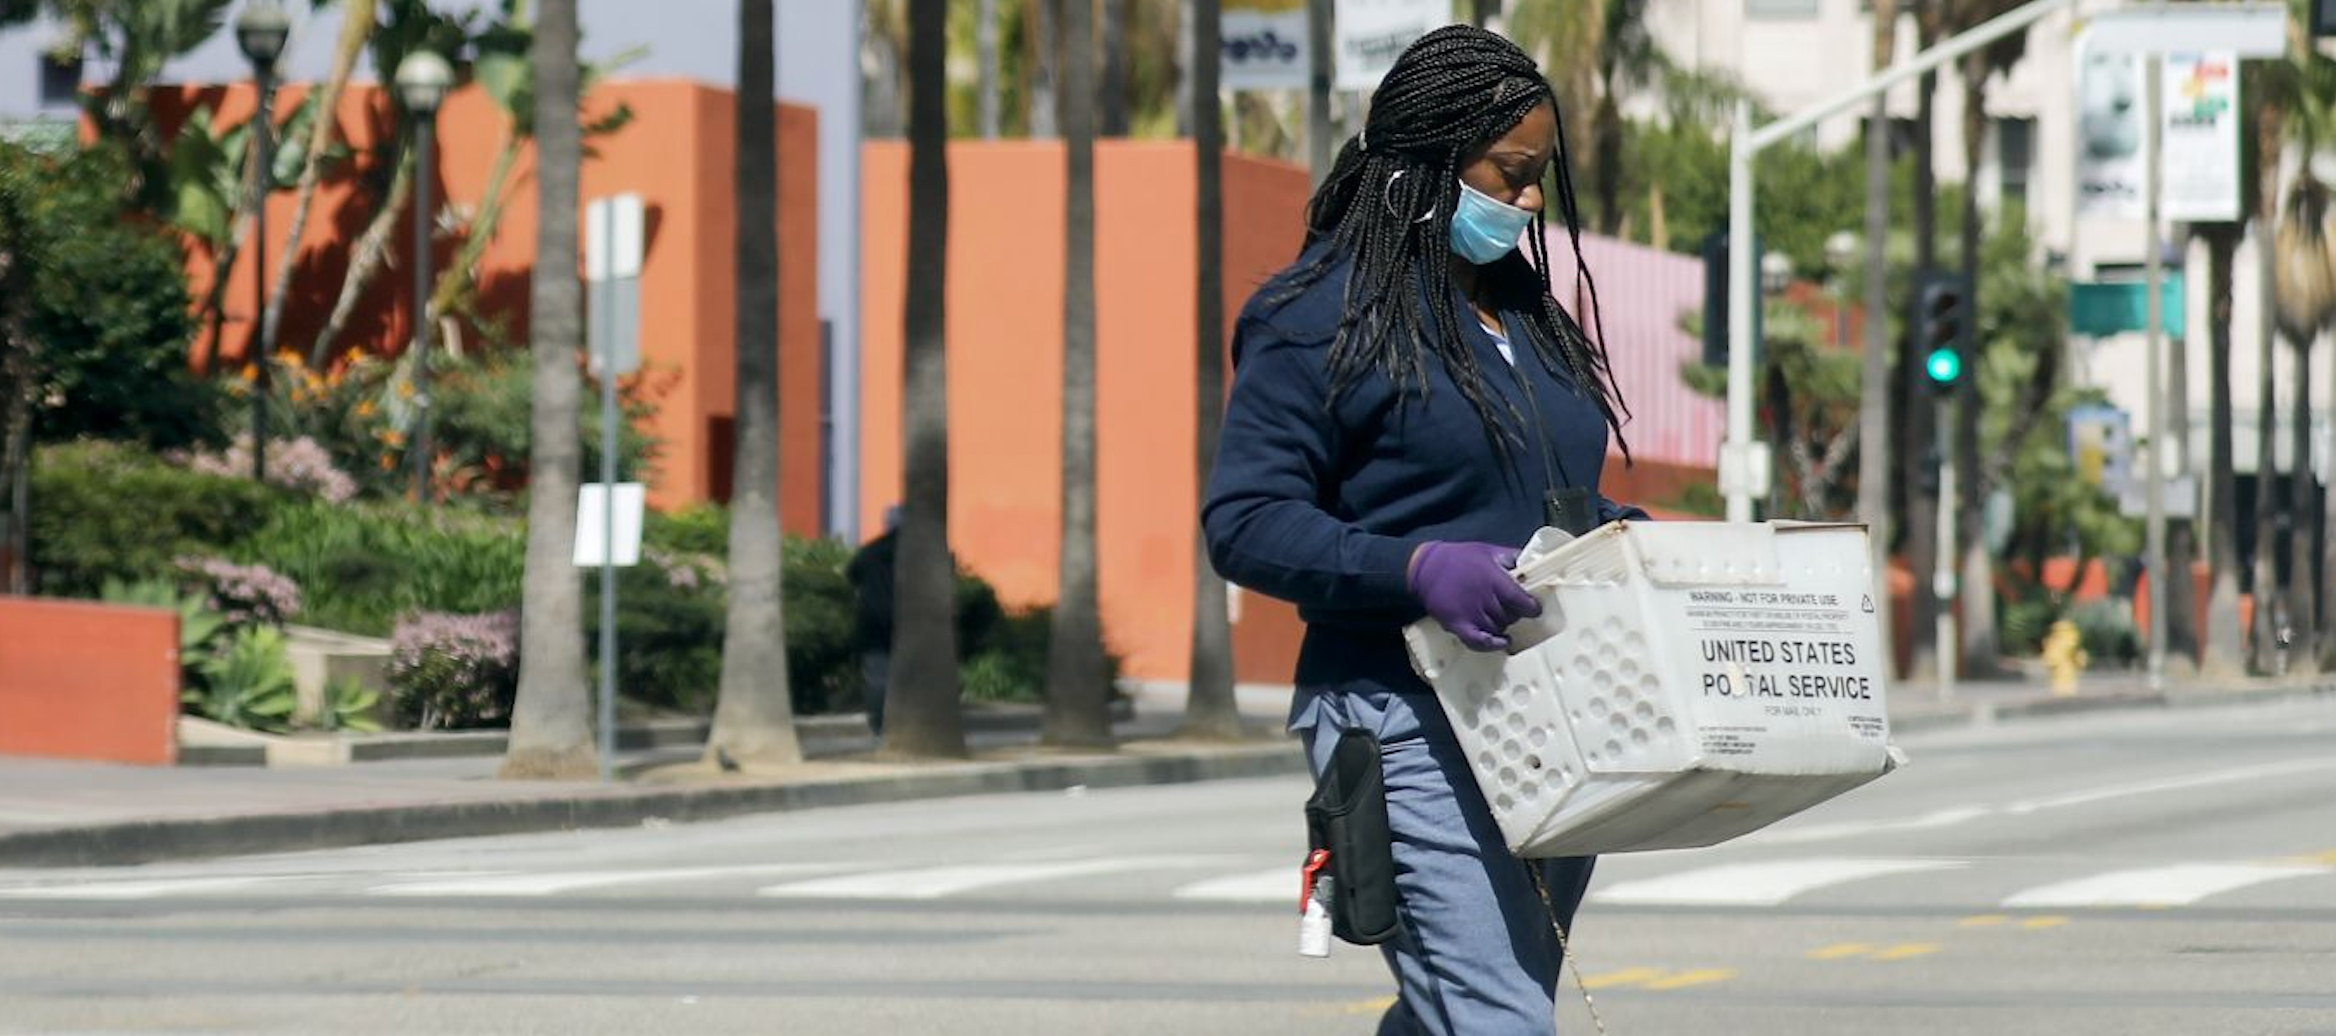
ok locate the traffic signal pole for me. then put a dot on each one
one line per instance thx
(1942, 573)
(1743, 460)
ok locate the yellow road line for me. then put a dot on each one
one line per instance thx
(2039, 923)
(1903, 951)
(1625, 977)
(1693, 978)
(1377, 1005)
(2326, 859)
(1842, 949)
(1983, 920)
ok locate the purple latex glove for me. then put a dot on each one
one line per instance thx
(1468, 589)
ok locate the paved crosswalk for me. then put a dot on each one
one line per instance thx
(1656, 881)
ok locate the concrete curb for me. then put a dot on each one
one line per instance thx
(145, 841)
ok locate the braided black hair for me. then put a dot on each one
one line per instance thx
(1387, 205)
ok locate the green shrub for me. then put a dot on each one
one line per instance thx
(105, 299)
(2106, 630)
(454, 671)
(2023, 623)
(365, 566)
(247, 682)
(107, 511)
(823, 665)
(669, 632)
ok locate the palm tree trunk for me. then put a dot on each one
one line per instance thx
(1873, 451)
(1113, 91)
(1078, 680)
(2223, 652)
(2266, 582)
(754, 718)
(1917, 434)
(922, 716)
(551, 729)
(985, 46)
(1210, 710)
(2181, 533)
(1977, 580)
(1043, 52)
(2303, 505)
(364, 260)
(356, 28)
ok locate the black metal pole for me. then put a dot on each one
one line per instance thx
(425, 134)
(263, 166)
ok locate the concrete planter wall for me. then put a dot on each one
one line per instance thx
(321, 657)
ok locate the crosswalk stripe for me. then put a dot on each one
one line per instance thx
(2176, 885)
(1760, 884)
(137, 889)
(574, 881)
(1275, 885)
(936, 882)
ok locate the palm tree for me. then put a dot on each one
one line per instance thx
(551, 732)
(1078, 691)
(1113, 91)
(753, 717)
(2221, 648)
(1874, 470)
(1916, 435)
(356, 28)
(1209, 707)
(1979, 647)
(985, 46)
(1043, 57)
(921, 711)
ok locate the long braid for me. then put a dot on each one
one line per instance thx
(1387, 206)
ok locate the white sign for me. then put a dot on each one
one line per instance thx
(614, 229)
(2201, 127)
(1372, 33)
(1264, 44)
(592, 524)
(2111, 145)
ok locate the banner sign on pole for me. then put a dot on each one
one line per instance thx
(594, 512)
(1370, 34)
(2110, 149)
(1264, 44)
(2201, 128)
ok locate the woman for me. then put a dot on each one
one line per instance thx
(1409, 405)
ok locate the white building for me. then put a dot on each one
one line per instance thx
(1792, 53)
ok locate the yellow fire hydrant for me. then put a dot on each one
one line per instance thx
(2064, 656)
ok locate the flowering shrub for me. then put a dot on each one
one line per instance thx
(245, 594)
(292, 463)
(454, 671)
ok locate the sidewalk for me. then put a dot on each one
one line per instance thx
(63, 813)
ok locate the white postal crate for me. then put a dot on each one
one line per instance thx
(1686, 683)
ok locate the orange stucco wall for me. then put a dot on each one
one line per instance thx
(1005, 304)
(88, 681)
(678, 154)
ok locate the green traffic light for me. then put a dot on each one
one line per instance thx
(1944, 366)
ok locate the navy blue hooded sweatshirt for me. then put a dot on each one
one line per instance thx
(1322, 505)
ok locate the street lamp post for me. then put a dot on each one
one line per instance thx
(422, 81)
(260, 31)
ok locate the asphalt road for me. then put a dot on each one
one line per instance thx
(2143, 873)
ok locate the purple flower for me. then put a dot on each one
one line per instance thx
(246, 593)
(292, 463)
(454, 670)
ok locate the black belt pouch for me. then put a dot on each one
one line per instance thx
(1348, 816)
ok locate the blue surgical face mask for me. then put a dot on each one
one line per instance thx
(1484, 228)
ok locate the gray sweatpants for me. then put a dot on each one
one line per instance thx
(1475, 955)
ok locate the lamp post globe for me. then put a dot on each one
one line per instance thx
(1776, 272)
(1841, 248)
(422, 81)
(260, 31)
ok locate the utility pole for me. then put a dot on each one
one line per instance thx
(1318, 73)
